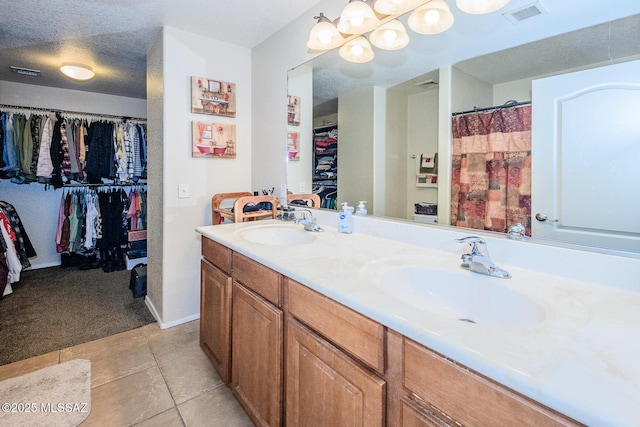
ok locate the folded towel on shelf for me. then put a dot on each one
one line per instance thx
(429, 163)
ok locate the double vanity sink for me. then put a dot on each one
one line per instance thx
(436, 284)
(557, 340)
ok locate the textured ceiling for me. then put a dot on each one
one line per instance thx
(113, 36)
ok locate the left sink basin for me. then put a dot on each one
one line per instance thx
(277, 235)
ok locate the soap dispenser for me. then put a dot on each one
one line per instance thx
(361, 210)
(345, 223)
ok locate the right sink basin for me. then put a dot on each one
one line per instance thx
(459, 295)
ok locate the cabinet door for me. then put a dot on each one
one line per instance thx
(215, 316)
(327, 388)
(257, 347)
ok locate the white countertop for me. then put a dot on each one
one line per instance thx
(582, 360)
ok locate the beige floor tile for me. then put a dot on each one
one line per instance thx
(171, 343)
(113, 357)
(129, 400)
(170, 418)
(214, 408)
(103, 344)
(29, 365)
(189, 376)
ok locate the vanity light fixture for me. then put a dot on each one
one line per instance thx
(395, 7)
(478, 7)
(390, 36)
(357, 50)
(78, 72)
(387, 32)
(324, 35)
(357, 18)
(431, 18)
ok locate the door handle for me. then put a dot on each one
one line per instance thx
(543, 217)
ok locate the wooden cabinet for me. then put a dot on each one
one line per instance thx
(215, 307)
(338, 366)
(331, 350)
(257, 342)
(455, 392)
(325, 387)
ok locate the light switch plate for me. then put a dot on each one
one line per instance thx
(183, 191)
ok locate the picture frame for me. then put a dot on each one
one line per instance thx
(293, 148)
(213, 97)
(293, 110)
(213, 140)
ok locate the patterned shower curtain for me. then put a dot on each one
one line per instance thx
(491, 174)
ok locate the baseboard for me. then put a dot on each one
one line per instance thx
(166, 325)
(45, 265)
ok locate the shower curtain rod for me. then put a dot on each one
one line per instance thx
(497, 107)
(70, 113)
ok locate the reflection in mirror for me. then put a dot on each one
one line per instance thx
(388, 130)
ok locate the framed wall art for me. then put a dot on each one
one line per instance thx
(293, 149)
(214, 140)
(293, 110)
(214, 97)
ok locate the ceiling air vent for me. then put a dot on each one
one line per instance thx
(25, 71)
(525, 12)
(427, 83)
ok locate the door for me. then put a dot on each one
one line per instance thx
(257, 355)
(327, 388)
(586, 149)
(215, 315)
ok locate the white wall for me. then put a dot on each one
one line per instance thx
(355, 148)
(185, 55)
(38, 209)
(397, 158)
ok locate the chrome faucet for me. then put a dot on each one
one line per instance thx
(307, 220)
(479, 261)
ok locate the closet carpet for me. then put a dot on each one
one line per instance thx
(54, 308)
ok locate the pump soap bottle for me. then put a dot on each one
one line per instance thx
(361, 211)
(345, 224)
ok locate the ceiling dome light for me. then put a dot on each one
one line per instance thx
(478, 7)
(357, 17)
(390, 36)
(357, 50)
(324, 35)
(78, 72)
(395, 7)
(432, 18)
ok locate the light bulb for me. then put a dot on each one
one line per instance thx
(324, 37)
(432, 16)
(357, 50)
(390, 35)
(356, 21)
(397, 1)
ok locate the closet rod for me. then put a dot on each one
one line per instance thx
(507, 104)
(113, 184)
(71, 113)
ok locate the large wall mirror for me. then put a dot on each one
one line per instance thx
(393, 112)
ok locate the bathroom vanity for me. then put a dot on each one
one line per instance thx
(326, 329)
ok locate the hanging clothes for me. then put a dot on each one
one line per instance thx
(15, 247)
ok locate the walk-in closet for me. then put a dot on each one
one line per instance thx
(73, 214)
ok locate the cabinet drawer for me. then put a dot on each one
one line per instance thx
(260, 279)
(217, 254)
(353, 332)
(468, 397)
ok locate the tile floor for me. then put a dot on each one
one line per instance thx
(148, 377)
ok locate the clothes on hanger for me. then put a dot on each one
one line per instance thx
(94, 223)
(15, 247)
(57, 148)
